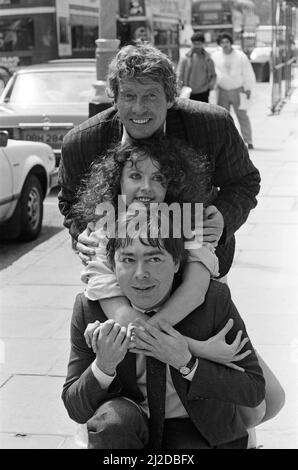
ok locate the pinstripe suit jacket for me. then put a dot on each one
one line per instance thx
(209, 129)
(210, 399)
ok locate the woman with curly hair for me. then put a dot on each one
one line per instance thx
(178, 164)
(152, 171)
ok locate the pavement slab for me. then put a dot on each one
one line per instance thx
(32, 405)
(33, 323)
(27, 441)
(32, 356)
(44, 297)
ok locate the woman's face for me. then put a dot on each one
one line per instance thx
(142, 181)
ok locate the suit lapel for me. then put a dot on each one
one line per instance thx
(175, 125)
(114, 131)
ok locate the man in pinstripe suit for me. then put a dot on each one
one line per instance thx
(143, 84)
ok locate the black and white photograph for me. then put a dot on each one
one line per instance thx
(148, 227)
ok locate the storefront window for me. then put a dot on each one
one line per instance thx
(84, 32)
(16, 34)
(83, 37)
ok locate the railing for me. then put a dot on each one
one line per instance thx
(283, 56)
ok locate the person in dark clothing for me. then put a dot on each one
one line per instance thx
(143, 84)
(196, 70)
(154, 394)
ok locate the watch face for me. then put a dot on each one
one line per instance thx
(184, 370)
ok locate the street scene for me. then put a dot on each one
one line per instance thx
(47, 92)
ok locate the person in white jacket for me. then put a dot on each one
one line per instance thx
(235, 80)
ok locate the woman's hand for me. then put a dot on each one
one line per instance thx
(88, 334)
(217, 350)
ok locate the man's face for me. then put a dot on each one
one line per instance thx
(197, 45)
(142, 107)
(226, 46)
(145, 274)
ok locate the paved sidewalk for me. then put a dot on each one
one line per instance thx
(37, 293)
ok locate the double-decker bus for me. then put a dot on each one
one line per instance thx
(156, 21)
(35, 31)
(237, 17)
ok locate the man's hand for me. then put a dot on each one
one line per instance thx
(111, 340)
(247, 92)
(86, 244)
(165, 344)
(213, 225)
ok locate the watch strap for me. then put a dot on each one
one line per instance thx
(185, 370)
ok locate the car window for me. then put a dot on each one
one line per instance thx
(57, 87)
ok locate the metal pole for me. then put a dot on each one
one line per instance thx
(106, 47)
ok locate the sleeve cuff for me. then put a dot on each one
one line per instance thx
(103, 379)
(192, 372)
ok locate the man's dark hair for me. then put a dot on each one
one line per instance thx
(227, 36)
(197, 37)
(169, 240)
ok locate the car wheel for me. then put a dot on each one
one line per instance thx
(31, 209)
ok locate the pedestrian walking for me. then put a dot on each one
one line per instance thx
(235, 80)
(196, 70)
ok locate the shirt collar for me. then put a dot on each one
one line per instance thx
(142, 310)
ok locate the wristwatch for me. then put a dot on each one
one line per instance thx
(185, 370)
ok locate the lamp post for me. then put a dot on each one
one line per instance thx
(106, 47)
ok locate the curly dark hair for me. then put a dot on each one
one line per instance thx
(187, 174)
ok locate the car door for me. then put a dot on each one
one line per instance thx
(6, 186)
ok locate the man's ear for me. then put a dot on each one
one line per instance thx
(170, 104)
(177, 266)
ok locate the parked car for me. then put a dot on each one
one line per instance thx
(4, 77)
(27, 174)
(42, 102)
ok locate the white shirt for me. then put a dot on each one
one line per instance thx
(233, 70)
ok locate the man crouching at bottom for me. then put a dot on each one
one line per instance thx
(142, 388)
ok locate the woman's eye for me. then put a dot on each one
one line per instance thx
(135, 176)
(159, 178)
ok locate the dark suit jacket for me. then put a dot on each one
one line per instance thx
(209, 129)
(210, 399)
